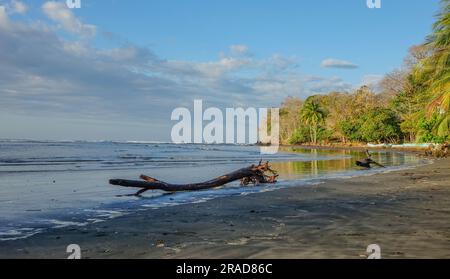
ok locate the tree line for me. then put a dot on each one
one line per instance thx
(412, 105)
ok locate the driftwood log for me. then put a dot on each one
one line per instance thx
(254, 174)
(438, 151)
(368, 161)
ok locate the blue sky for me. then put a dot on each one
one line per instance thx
(116, 69)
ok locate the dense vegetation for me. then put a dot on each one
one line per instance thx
(413, 105)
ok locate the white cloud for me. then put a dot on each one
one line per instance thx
(10, 8)
(19, 7)
(239, 49)
(60, 13)
(325, 85)
(4, 20)
(14, 7)
(335, 63)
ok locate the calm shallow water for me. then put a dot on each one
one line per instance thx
(55, 184)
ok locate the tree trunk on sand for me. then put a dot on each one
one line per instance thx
(253, 174)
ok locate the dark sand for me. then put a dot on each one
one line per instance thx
(407, 213)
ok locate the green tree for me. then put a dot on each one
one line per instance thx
(312, 115)
(350, 128)
(407, 105)
(300, 135)
(380, 125)
(434, 71)
(289, 118)
(426, 130)
(405, 94)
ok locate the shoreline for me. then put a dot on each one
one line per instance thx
(419, 151)
(405, 212)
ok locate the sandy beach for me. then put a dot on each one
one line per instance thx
(225, 130)
(404, 212)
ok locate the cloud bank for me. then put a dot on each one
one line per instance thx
(43, 73)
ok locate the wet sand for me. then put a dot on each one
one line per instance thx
(407, 213)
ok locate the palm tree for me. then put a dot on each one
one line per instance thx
(435, 70)
(312, 115)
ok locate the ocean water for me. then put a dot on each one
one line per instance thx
(55, 184)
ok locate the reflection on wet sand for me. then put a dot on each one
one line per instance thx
(346, 161)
